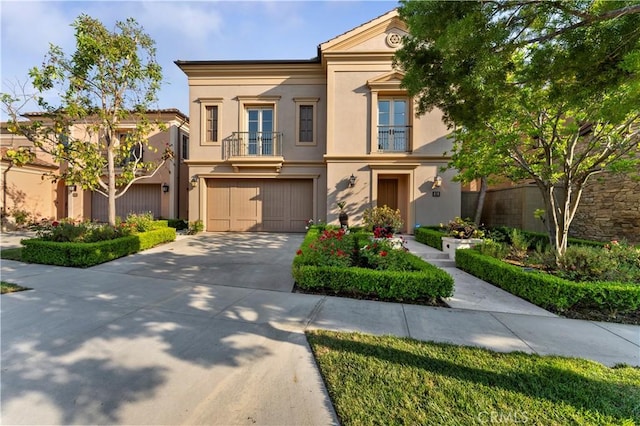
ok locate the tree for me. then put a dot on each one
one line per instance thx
(551, 88)
(111, 76)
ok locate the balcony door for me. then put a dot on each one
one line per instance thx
(260, 128)
(392, 125)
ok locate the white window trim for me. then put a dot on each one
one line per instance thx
(204, 103)
(312, 102)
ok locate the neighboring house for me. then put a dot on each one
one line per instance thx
(25, 194)
(279, 142)
(164, 194)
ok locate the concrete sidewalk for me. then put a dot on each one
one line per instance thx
(107, 345)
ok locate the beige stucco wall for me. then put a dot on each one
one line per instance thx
(28, 191)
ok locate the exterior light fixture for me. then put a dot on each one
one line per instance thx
(165, 187)
(194, 181)
(437, 182)
(352, 181)
(73, 188)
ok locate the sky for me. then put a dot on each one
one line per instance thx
(182, 30)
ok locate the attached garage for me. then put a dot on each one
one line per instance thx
(272, 205)
(140, 198)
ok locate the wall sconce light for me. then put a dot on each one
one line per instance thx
(165, 187)
(194, 181)
(352, 181)
(73, 188)
(437, 182)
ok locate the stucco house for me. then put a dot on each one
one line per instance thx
(164, 194)
(279, 142)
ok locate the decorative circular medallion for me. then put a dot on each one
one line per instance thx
(394, 39)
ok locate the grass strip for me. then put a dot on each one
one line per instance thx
(399, 381)
(6, 287)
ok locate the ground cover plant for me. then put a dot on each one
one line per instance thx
(399, 381)
(6, 287)
(366, 265)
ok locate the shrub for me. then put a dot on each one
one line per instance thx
(616, 262)
(67, 230)
(418, 280)
(492, 248)
(332, 248)
(548, 291)
(430, 236)
(195, 227)
(140, 222)
(382, 255)
(382, 217)
(178, 224)
(463, 229)
(82, 254)
(519, 244)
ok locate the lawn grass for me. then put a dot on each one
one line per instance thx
(393, 381)
(6, 287)
(11, 254)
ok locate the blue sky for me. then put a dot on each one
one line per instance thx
(185, 30)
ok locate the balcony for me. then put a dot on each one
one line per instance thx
(394, 138)
(254, 150)
(253, 144)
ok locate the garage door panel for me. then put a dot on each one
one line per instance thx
(273, 205)
(139, 198)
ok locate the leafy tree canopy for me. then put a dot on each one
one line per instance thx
(111, 76)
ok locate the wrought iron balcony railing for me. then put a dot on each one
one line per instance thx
(253, 144)
(394, 138)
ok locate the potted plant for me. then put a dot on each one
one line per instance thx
(343, 217)
(461, 234)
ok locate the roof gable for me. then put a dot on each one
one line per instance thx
(361, 37)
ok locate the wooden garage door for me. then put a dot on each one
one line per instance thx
(141, 198)
(274, 205)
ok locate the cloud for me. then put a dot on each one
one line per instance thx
(193, 21)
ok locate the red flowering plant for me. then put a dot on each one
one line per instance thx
(334, 247)
(381, 254)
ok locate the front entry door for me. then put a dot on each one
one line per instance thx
(388, 193)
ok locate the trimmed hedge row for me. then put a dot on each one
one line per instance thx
(426, 281)
(430, 236)
(548, 291)
(89, 254)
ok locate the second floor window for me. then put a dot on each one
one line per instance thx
(260, 128)
(393, 129)
(185, 147)
(306, 123)
(211, 112)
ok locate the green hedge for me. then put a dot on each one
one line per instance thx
(431, 236)
(548, 291)
(426, 281)
(88, 254)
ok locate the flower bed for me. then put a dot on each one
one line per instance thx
(352, 264)
(550, 292)
(89, 254)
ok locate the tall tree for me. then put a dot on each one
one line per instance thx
(111, 76)
(553, 86)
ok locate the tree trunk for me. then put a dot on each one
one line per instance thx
(481, 196)
(111, 191)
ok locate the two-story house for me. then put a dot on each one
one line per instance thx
(164, 194)
(279, 142)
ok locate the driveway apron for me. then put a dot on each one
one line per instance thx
(247, 260)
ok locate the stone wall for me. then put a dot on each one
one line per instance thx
(609, 210)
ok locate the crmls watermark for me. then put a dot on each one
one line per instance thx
(503, 417)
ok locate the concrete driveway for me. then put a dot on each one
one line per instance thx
(248, 260)
(149, 340)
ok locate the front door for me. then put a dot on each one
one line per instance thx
(260, 128)
(388, 192)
